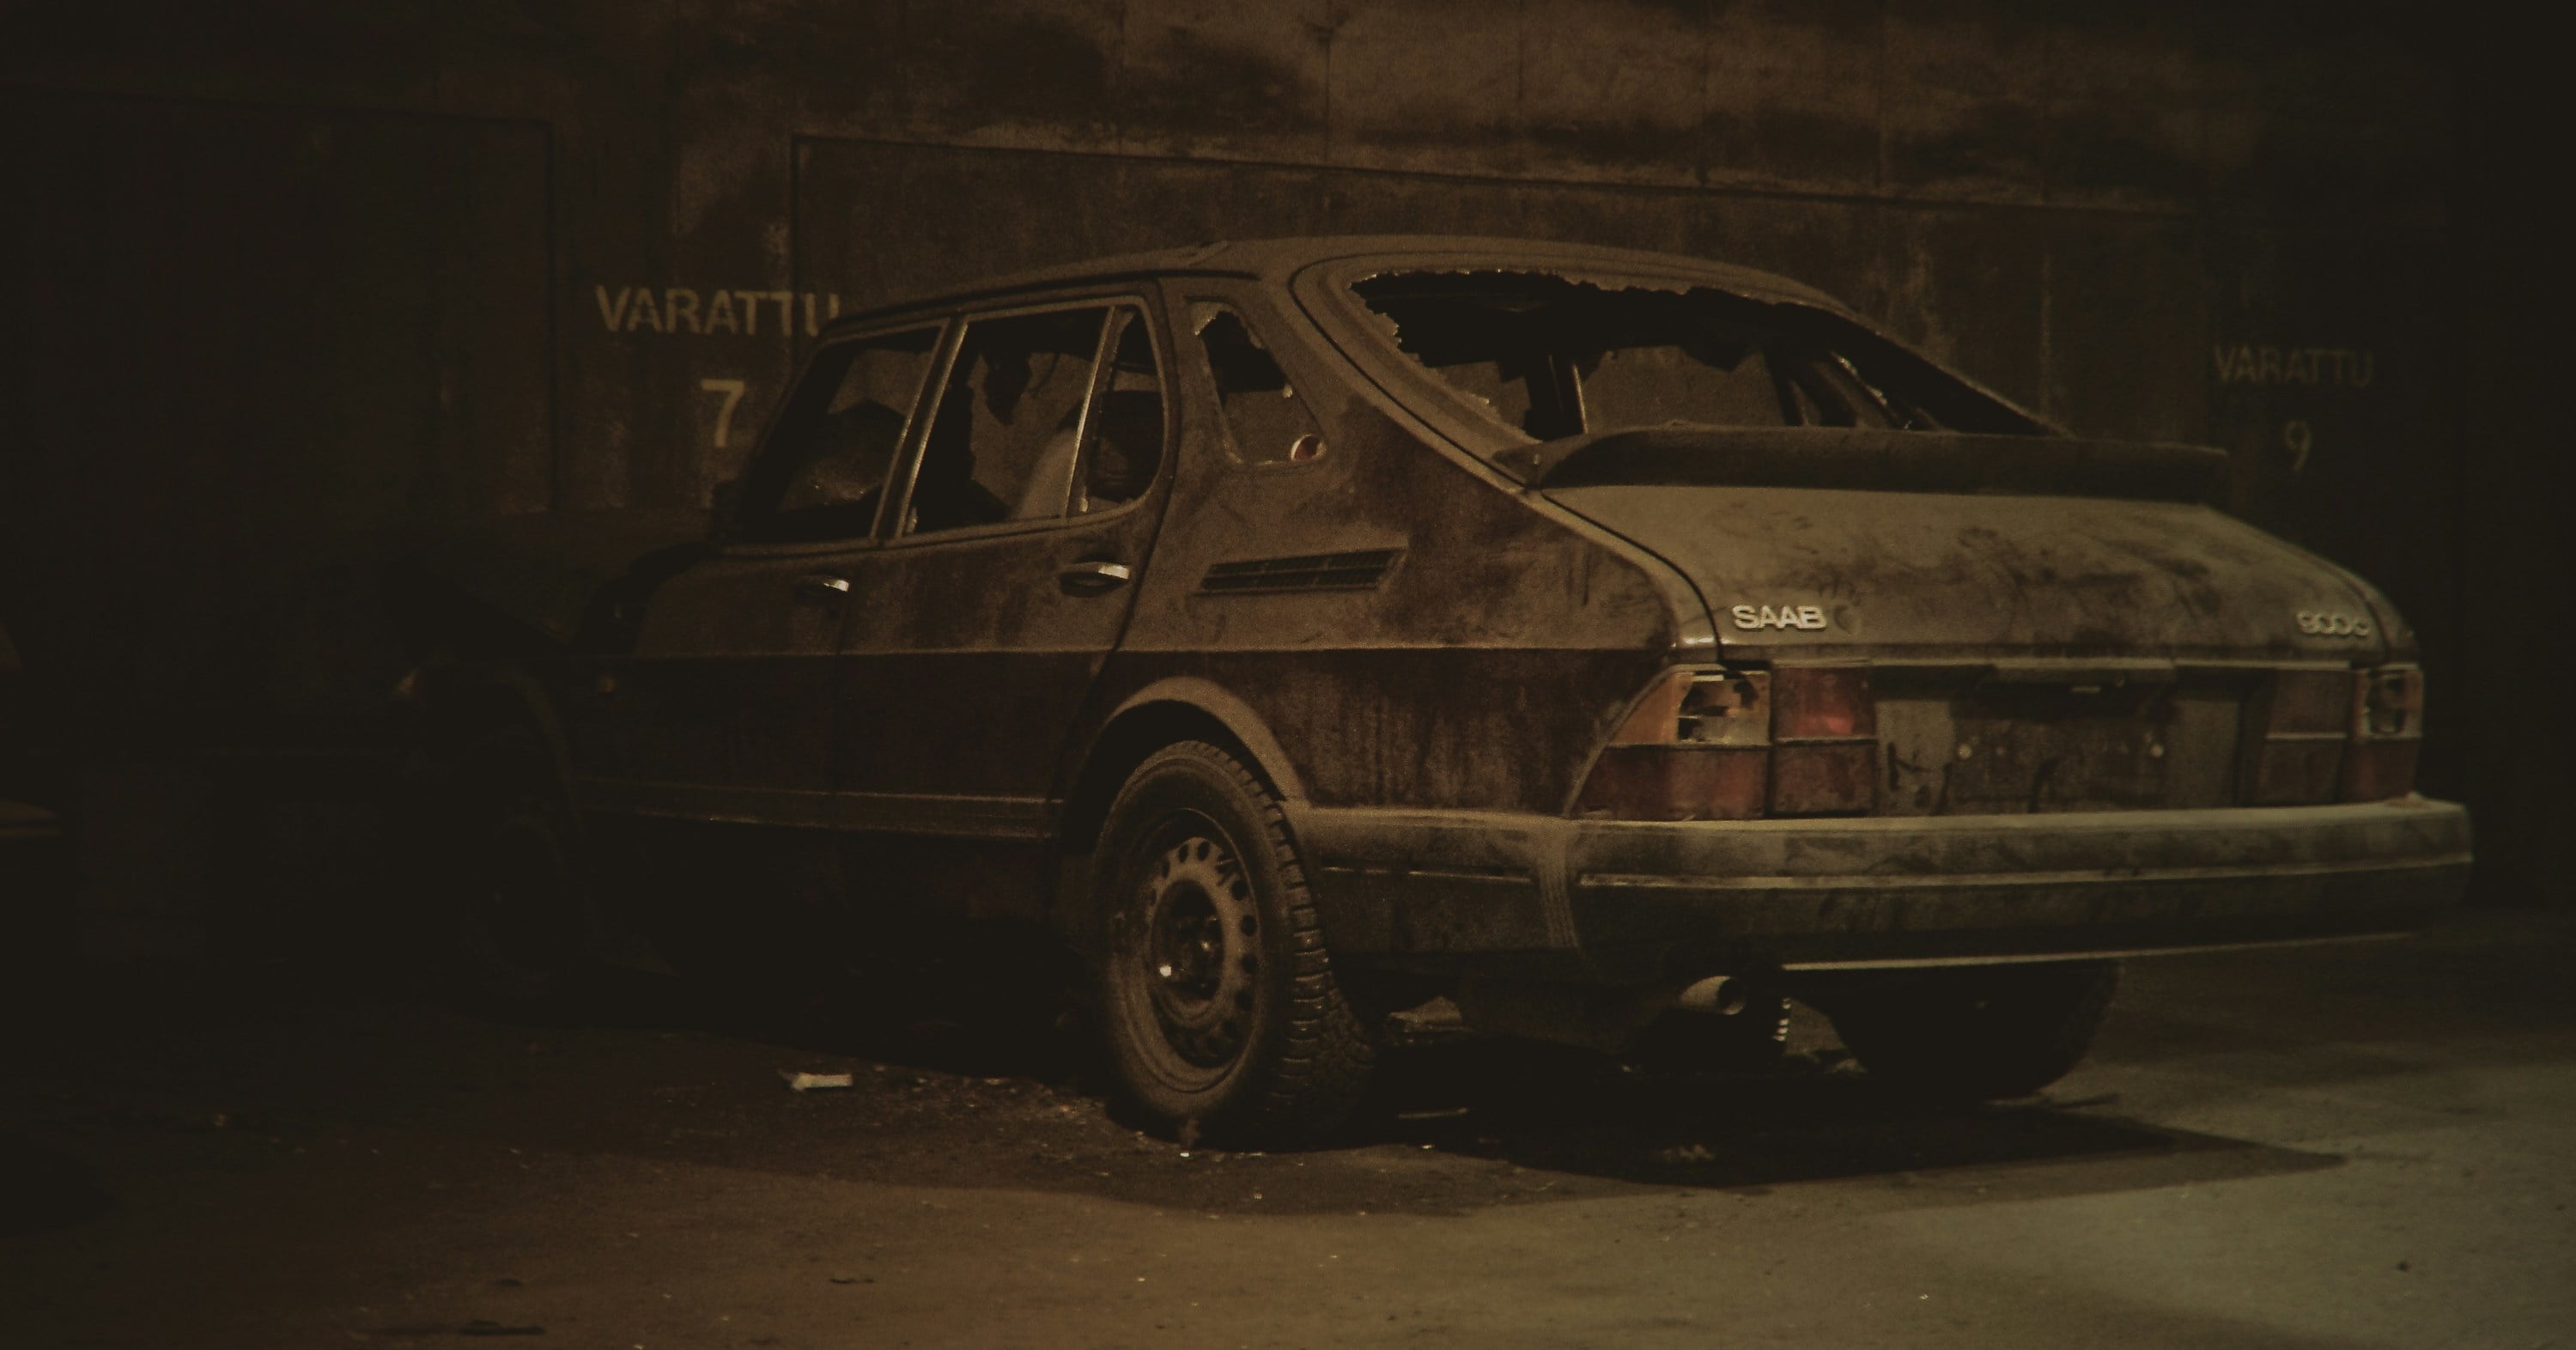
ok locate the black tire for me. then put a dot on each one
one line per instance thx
(1217, 1000)
(510, 912)
(1972, 1033)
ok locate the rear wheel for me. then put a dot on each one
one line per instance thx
(1219, 1004)
(1971, 1033)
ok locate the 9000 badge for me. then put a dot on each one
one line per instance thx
(2321, 623)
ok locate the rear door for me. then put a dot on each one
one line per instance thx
(1007, 576)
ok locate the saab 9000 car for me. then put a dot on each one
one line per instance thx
(1307, 629)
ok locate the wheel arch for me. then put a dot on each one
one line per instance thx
(1180, 708)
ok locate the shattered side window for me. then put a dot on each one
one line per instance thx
(1550, 356)
(1006, 429)
(1726, 385)
(825, 467)
(1123, 444)
(1265, 421)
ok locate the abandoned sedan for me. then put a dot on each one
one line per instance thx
(1304, 630)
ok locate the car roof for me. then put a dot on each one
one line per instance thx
(1276, 260)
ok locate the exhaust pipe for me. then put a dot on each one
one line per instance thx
(1722, 995)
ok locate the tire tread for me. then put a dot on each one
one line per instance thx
(1324, 1053)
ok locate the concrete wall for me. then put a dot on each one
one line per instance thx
(302, 281)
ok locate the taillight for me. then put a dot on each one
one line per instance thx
(1692, 748)
(2387, 731)
(1738, 744)
(1824, 741)
(2333, 734)
(2297, 724)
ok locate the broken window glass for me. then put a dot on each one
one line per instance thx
(1265, 421)
(1003, 442)
(1124, 439)
(825, 467)
(1550, 356)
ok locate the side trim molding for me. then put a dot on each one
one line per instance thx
(923, 813)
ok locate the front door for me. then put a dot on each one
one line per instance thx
(1008, 575)
(726, 709)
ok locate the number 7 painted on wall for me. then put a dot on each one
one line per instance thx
(732, 391)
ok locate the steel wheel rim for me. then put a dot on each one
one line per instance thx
(1192, 958)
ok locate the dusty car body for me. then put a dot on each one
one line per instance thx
(1302, 628)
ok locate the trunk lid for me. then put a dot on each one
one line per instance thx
(2049, 625)
(1913, 545)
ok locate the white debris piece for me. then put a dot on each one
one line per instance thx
(808, 1082)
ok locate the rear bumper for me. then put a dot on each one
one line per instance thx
(1618, 901)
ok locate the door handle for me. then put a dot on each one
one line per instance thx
(1092, 578)
(821, 586)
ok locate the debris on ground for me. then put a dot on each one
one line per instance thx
(808, 1082)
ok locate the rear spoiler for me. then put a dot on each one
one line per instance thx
(1875, 460)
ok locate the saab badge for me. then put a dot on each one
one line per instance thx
(1756, 617)
(2324, 623)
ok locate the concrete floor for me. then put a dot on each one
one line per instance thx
(2364, 1145)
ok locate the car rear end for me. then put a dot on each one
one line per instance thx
(1957, 725)
(1958, 691)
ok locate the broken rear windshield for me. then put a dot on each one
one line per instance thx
(1551, 356)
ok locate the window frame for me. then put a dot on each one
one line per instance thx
(759, 461)
(1264, 328)
(890, 529)
(1112, 336)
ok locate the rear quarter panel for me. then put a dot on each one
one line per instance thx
(1481, 671)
